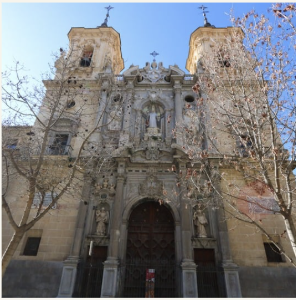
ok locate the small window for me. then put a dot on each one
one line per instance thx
(245, 145)
(60, 145)
(32, 246)
(189, 99)
(86, 58)
(71, 104)
(272, 253)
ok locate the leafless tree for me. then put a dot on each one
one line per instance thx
(246, 98)
(51, 157)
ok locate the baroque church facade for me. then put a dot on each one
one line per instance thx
(135, 223)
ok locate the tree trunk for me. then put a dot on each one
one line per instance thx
(10, 250)
(291, 231)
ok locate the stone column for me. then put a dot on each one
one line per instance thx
(138, 126)
(168, 126)
(97, 135)
(178, 108)
(111, 273)
(70, 264)
(189, 282)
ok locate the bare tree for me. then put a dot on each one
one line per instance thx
(247, 112)
(51, 157)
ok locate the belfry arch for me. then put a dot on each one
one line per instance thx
(150, 244)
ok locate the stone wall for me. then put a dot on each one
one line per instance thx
(268, 282)
(25, 279)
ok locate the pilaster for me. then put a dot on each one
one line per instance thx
(189, 282)
(178, 108)
(111, 278)
(124, 136)
(70, 264)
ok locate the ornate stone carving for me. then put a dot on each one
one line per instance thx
(151, 187)
(105, 186)
(115, 117)
(152, 74)
(153, 145)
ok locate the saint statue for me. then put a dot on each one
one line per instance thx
(102, 220)
(200, 221)
(153, 118)
(115, 117)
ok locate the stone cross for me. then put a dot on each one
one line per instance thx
(154, 54)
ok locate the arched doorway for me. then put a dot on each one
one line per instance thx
(150, 245)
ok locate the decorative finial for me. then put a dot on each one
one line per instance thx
(154, 54)
(206, 23)
(107, 16)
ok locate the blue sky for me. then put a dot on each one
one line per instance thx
(31, 32)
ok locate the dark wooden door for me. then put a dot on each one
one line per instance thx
(90, 274)
(150, 245)
(210, 279)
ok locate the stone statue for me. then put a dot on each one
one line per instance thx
(107, 64)
(105, 183)
(200, 221)
(114, 119)
(153, 118)
(112, 190)
(102, 220)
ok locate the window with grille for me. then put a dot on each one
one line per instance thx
(32, 246)
(46, 201)
(60, 145)
(272, 253)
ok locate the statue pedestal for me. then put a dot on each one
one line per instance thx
(152, 132)
(68, 277)
(233, 288)
(110, 278)
(189, 281)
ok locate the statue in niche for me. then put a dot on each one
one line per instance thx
(107, 64)
(105, 183)
(153, 118)
(102, 220)
(115, 117)
(200, 221)
(152, 115)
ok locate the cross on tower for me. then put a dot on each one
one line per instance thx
(154, 54)
(206, 23)
(107, 16)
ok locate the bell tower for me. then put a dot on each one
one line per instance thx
(95, 50)
(202, 41)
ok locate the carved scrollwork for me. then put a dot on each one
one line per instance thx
(151, 187)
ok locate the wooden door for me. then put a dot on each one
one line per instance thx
(90, 274)
(210, 278)
(150, 245)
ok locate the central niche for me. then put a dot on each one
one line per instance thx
(152, 121)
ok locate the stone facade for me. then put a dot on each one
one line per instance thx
(137, 113)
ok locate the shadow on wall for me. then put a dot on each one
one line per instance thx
(27, 278)
(267, 282)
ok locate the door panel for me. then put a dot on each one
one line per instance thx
(150, 245)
